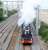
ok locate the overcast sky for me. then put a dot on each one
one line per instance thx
(44, 3)
(11, 5)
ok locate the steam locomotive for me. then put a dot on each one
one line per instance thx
(26, 36)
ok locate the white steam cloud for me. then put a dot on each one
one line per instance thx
(28, 11)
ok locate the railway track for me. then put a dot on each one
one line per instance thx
(6, 30)
(27, 47)
(4, 22)
(7, 24)
(20, 46)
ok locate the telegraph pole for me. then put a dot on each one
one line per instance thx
(37, 19)
(37, 23)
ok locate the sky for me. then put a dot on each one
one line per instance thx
(43, 3)
(28, 11)
(10, 5)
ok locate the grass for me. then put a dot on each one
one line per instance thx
(43, 31)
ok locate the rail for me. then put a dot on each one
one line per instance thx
(6, 30)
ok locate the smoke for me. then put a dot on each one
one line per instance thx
(28, 11)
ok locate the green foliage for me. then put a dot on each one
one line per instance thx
(43, 31)
(1, 3)
(1, 12)
(11, 12)
(2, 18)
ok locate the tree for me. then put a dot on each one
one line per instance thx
(1, 3)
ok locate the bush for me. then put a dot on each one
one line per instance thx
(11, 12)
(2, 18)
(43, 31)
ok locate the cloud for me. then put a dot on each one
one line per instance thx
(28, 11)
(44, 4)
